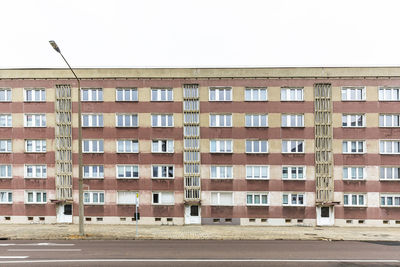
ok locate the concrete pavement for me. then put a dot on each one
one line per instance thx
(203, 232)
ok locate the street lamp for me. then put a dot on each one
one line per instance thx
(81, 209)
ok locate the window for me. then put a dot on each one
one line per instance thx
(389, 94)
(221, 172)
(256, 146)
(127, 146)
(92, 120)
(353, 147)
(221, 146)
(126, 94)
(162, 171)
(5, 171)
(191, 118)
(5, 120)
(389, 146)
(389, 173)
(292, 94)
(222, 198)
(35, 120)
(35, 95)
(353, 120)
(163, 198)
(5, 95)
(255, 94)
(292, 146)
(93, 171)
(36, 197)
(93, 146)
(6, 197)
(257, 199)
(93, 197)
(353, 93)
(220, 94)
(162, 120)
(292, 120)
(162, 95)
(293, 172)
(220, 120)
(389, 120)
(38, 146)
(163, 146)
(126, 197)
(127, 120)
(127, 171)
(293, 199)
(390, 200)
(5, 146)
(353, 173)
(92, 94)
(257, 172)
(35, 171)
(354, 199)
(256, 120)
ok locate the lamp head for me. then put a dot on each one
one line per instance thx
(55, 46)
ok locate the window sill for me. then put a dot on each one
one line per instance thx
(158, 152)
(35, 203)
(127, 178)
(286, 205)
(294, 179)
(93, 204)
(162, 178)
(127, 152)
(221, 152)
(161, 204)
(41, 178)
(218, 178)
(257, 205)
(384, 180)
(354, 180)
(93, 178)
(353, 206)
(126, 126)
(222, 205)
(257, 179)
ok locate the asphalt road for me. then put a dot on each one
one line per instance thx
(197, 253)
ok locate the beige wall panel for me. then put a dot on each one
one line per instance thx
(178, 197)
(178, 120)
(178, 146)
(338, 197)
(238, 94)
(336, 93)
(372, 146)
(74, 94)
(18, 196)
(309, 119)
(17, 95)
(310, 199)
(373, 199)
(18, 145)
(205, 198)
(204, 119)
(50, 95)
(144, 171)
(17, 120)
(144, 94)
(372, 93)
(308, 93)
(110, 146)
(145, 197)
(110, 197)
(275, 198)
(109, 94)
(337, 120)
(178, 94)
(109, 119)
(109, 171)
(372, 119)
(50, 145)
(274, 93)
(203, 93)
(274, 120)
(145, 146)
(50, 120)
(372, 173)
(144, 120)
(18, 170)
(239, 198)
(275, 172)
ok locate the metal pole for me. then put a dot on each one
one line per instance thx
(136, 215)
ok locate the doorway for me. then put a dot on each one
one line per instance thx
(192, 214)
(64, 213)
(325, 216)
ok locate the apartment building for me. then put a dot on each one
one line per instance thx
(241, 146)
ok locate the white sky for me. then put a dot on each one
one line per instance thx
(202, 33)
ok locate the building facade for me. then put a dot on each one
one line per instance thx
(241, 146)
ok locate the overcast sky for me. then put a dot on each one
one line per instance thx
(203, 33)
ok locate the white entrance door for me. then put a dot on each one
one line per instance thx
(64, 213)
(192, 214)
(325, 216)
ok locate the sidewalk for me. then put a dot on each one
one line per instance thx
(65, 231)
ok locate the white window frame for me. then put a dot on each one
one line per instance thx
(218, 198)
(221, 120)
(124, 167)
(6, 93)
(260, 196)
(352, 93)
(91, 194)
(256, 146)
(41, 120)
(93, 120)
(160, 198)
(392, 118)
(221, 172)
(5, 196)
(394, 147)
(7, 119)
(158, 144)
(383, 93)
(291, 169)
(39, 171)
(227, 143)
(359, 171)
(290, 199)
(292, 94)
(38, 145)
(215, 91)
(128, 120)
(385, 171)
(287, 146)
(93, 171)
(162, 169)
(100, 143)
(286, 120)
(159, 120)
(349, 144)
(254, 94)
(5, 171)
(131, 96)
(132, 201)
(36, 97)
(350, 199)
(6, 144)
(158, 93)
(35, 193)
(252, 119)
(347, 120)
(125, 144)
(191, 118)
(252, 170)
(395, 200)
(93, 94)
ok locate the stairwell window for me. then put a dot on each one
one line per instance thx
(35, 95)
(292, 120)
(162, 95)
(5, 171)
(292, 146)
(93, 171)
(5, 95)
(389, 120)
(354, 147)
(92, 94)
(389, 147)
(220, 94)
(354, 200)
(127, 146)
(255, 172)
(353, 173)
(162, 171)
(257, 199)
(389, 173)
(221, 146)
(220, 120)
(256, 120)
(255, 94)
(93, 146)
(353, 120)
(35, 197)
(5, 146)
(293, 172)
(92, 120)
(221, 198)
(127, 171)
(35, 171)
(293, 199)
(5, 120)
(163, 198)
(353, 93)
(221, 172)
(126, 120)
(257, 146)
(35, 146)
(35, 120)
(93, 198)
(292, 94)
(389, 94)
(390, 200)
(162, 120)
(126, 94)
(6, 197)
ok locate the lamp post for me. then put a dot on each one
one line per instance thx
(81, 209)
